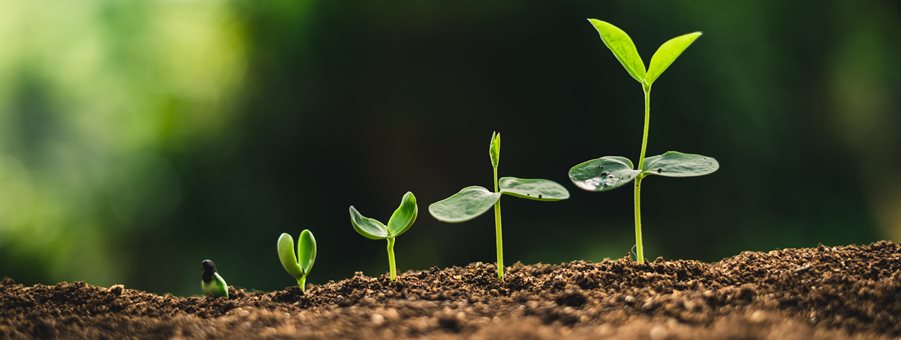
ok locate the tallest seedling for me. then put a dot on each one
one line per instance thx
(610, 172)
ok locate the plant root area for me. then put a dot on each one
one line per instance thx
(823, 292)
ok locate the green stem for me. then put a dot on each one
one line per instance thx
(302, 282)
(639, 248)
(392, 268)
(498, 235)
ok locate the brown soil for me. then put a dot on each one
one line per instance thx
(823, 292)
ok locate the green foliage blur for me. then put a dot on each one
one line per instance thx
(138, 138)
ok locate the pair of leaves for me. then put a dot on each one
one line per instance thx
(401, 220)
(624, 50)
(473, 201)
(299, 264)
(611, 172)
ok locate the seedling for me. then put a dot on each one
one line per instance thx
(473, 201)
(401, 221)
(610, 172)
(211, 283)
(298, 265)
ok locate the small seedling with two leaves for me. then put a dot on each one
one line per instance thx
(401, 221)
(210, 281)
(298, 265)
(473, 201)
(611, 172)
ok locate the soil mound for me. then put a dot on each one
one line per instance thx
(824, 292)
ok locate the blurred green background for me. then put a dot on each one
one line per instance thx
(138, 138)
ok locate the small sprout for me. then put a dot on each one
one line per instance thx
(298, 265)
(611, 172)
(473, 201)
(211, 283)
(401, 221)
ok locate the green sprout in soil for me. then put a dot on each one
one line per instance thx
(473, 201)
(610, 172)
(401, 221)
(298, 265)
(211, 283)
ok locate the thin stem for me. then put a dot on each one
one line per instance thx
(647, 125)
(498, 235)
(639, 248)
(302, 282)
(392, 268)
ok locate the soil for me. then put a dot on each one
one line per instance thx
(824, 292)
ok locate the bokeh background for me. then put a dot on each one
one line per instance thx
(138, 138)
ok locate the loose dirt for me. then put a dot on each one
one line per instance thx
(824, 292)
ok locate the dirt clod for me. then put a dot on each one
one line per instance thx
(823, 292)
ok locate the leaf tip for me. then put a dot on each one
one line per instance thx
(694, 35)
(596, 22)
(284, 238)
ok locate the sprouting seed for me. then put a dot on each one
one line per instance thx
(211, 283)
(587, 175)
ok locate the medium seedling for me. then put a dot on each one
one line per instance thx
(298, 265)
(473, 201)
(401, 221)
(611, 172)
(211, 283)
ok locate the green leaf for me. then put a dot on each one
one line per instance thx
(403, 218)
(216, 286)
(306, 251)
(222, 286)
(677, 164)
(602, 174)
(465, 205)
(534, 189)
(494, 149)
(287, 257)
(667, 54)
(622, 47)
(368, 227)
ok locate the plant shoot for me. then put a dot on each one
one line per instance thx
(611, 172)
(211, 283)
(401, 221)
(298, 265)
(473, 201)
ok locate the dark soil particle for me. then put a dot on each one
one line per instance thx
(823, 292)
